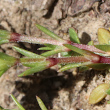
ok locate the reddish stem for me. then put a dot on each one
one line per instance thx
(75, 59)
(104, 60)
(23, 38)
(87, 47)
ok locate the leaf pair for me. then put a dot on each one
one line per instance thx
(35, 62)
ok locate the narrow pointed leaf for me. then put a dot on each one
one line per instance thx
(52, 52)
(6, 57)
(83, 68)
(17, 103)
(36, 68)
(73, 36)
(99, 66)
(32, 62)
(87, 47)
(105, 48)
(90, 43)
(2, 41)
(41, 104)
(3, 71)
(74, 65)
(27, 53)
(48, 32)
(4, 34)
(51, 46)
(45, 48)
(70, 53)
(76, 49)
(6, 62)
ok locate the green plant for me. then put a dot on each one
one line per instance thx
(41, 104)
(74, 54)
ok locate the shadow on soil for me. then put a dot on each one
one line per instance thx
(47, 84)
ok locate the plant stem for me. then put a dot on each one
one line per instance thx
(14, 37)
(23, 38)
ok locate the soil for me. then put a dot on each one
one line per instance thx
(69, 90)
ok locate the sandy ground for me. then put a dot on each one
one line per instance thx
(69, 90)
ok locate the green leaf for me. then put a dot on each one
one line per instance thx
(40, 67)
(74, 65)
(108, 102)
(2, 41)
(80, 51)
(4, 34)
(83, 68)
(73, 36)
(3, 71)
(32, 62)
(6, 57)
(45, 48)
(1, 108)
(52, 52)
(17, 103)
(105, 48)
(6, 62)
(41, 104)
(98, 93)
(27, 53)
(108, 91)
(70, 53)
(48, 32)
(51, 46)
(66, 54)
(90, 43)
(99, 66)
(103, 36)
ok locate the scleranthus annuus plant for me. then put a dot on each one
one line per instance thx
(73, 53)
